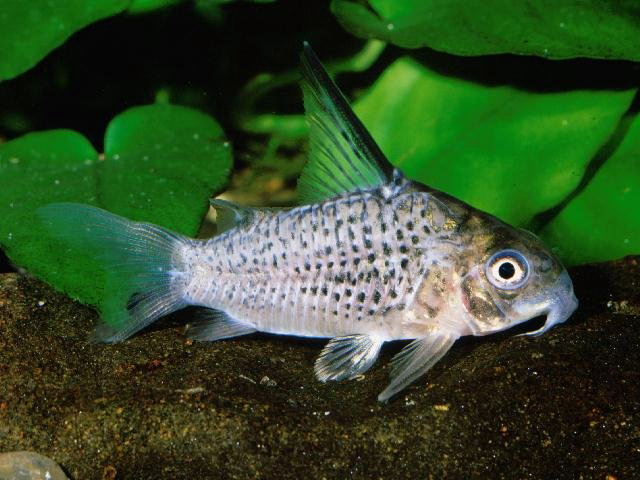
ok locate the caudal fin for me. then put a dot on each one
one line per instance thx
(144, 267)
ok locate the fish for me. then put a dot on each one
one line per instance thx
(368, 257)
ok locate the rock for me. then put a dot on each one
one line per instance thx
(564, 405)
(29, 466)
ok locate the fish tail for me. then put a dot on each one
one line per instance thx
(144, 265)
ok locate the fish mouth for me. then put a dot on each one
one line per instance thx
(560, 307)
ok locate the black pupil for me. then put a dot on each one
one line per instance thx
(506, 270)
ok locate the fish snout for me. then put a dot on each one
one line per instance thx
(561, 306)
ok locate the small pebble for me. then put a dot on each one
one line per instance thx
(268, 382)
(29, 466)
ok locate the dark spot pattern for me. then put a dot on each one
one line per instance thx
(296, 269)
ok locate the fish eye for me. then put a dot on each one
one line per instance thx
(507, 269)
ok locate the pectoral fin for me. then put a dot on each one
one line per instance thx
(415, 359)
(347, 357)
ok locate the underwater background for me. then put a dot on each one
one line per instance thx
(147, 108)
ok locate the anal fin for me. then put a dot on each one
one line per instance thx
(347, 357)
(214, 325)
(415, 359)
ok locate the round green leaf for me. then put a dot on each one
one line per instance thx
(41, 168)
(162, 163)
(52, 166)
(167, 160)
(549, 28)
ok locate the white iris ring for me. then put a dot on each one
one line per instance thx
(520, 269)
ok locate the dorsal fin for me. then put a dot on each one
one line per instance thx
(343, 155)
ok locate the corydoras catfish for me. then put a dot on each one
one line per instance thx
(369, 257)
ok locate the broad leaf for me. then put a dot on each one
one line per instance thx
(144, 6)
(32, 28)
(603, 222)
(548, 28)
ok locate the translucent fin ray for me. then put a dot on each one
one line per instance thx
(343, 155)
(347, 357)
(143, 268)
(415, 359)
(212, 325)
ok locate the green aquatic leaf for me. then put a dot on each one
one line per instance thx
(161, 164)
(549, 28)
(511, 152)
(32, 28)
(144, 6)
(180, 151)
(603, 221)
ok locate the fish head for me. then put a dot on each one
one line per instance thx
(513, 277)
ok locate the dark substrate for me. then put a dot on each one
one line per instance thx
(564, 405)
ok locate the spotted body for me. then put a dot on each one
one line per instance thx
(349, 265)
(368, 258)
